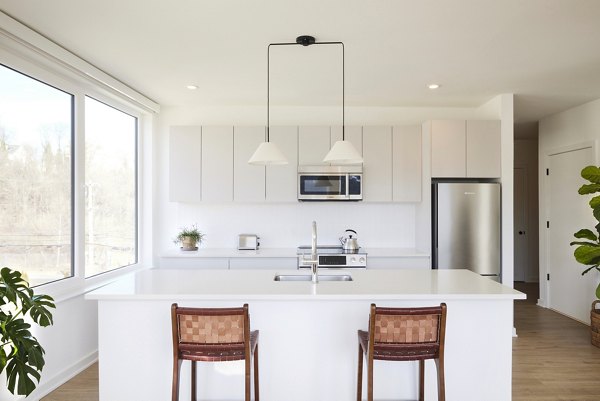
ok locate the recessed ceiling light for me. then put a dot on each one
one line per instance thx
(192, 87)
(433, 86)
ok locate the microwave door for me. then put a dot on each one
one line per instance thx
(322, 186)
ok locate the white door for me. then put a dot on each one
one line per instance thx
(520, 224)
(570, 293)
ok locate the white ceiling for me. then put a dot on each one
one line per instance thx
(544, 51)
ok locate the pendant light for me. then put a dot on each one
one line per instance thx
(267, 153)
(343, 152)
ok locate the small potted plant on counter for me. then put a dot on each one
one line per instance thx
(588, 243)
(189, 238)
(21, 355)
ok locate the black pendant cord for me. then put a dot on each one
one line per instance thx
(306, 41)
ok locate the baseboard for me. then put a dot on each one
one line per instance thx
(51, 384)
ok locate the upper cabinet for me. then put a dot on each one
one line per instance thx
(185, 148)
(465, 149)
(377, 164)
(248, 179)
(483, 149)
(282, 181)
(217, 164)
(313, 145)
(406, 163)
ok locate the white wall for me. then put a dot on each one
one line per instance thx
(571, 127)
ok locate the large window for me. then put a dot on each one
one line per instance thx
(110, 188)
(36, 132)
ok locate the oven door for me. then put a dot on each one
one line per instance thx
(322, 186)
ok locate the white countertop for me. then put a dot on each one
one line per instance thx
(159, 284)
(285, 253)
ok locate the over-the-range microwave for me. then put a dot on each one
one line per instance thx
(330, 183)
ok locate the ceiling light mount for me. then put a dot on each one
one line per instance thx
(305, 40)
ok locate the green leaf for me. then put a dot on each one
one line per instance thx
(589, 189)
(39, 309)
(21, 375)
(3, 359)
(591, 173)
(595, 202)
(586, 234)
(598, 291)
(583, 243)
(597, 213)
(587, 255)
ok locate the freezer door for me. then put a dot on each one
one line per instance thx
(468, 227)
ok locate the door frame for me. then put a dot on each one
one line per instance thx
(544, 204)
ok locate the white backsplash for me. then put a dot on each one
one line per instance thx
(285, 225)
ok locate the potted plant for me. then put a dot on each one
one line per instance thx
(189, 238)
(588, 243)
(20, 352)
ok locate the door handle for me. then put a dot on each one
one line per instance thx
(521, 232)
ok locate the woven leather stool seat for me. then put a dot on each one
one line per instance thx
(213, 335)
(403, 334)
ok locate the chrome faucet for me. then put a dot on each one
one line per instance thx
(313, 262)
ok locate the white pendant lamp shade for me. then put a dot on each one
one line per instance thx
(267, 154)
(343, 152)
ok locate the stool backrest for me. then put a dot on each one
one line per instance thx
(210, 325)
(408, 325)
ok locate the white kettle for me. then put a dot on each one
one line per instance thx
(350, 243)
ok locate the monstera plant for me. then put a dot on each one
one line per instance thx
(588, 241)
(20, 352)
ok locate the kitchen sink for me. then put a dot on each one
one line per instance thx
(304, 277)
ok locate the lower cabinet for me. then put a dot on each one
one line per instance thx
(263, 263)
(193, 263)
(399, 263)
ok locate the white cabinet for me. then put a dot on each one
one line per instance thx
(465, 149)
(313, 145)
(448, 149)
(248, 179)
(217, 164)
(377, 164)
(353, 135)
(406, 163)
(282, 181)
(483, 149)
(185, 148)
(263, 263)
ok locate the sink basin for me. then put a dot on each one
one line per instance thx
(304, 277)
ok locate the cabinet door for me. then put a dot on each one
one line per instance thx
(406, 171)
(185, 148)
(217, 164)
(483, 149)
(448, 149)
(258, 263)
(377, 164)
(313, 145)
(353, 135)
(282, 181)
(248, 180)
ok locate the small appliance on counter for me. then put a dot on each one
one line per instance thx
(248, 241)
(333, 256)
(349, 243)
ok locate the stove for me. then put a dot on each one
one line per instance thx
(333, 256)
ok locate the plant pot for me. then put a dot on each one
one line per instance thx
(595, 324)
(188, 244)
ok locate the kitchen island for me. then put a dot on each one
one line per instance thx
(308, 340)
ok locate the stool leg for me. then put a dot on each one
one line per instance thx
(247, 378)
(369, 377)
(256, 398)
(439, 363)
(360, 374)
(175, 387)
(193, 380)
(421, 380)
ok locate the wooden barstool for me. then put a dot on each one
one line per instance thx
(213, 335)
(403, 334)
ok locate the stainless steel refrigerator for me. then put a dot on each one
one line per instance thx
(466, 230)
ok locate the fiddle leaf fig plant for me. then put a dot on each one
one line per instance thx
(20, 352)
(588, 241)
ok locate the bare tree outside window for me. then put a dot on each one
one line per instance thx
(110, 188)
(35, 178)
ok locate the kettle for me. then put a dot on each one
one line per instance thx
(350, 244)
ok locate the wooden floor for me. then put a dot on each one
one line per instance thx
(553, 359)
